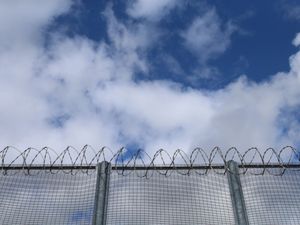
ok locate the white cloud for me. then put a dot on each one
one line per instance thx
(90, 87)
(296, 41)
(207, 37)
(22, 21)
(152, 10)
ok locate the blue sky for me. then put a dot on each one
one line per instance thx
(150, 74)
(259, 45)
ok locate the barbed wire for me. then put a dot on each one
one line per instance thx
(124, 161)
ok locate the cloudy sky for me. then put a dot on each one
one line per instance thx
(149, 74)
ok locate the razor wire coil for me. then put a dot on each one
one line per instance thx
(72, 160)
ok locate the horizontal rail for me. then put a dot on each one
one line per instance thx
(116, 167)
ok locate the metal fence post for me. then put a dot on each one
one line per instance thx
(236, 193)
(101, 196)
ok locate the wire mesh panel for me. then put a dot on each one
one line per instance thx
(175, 199)
(142, 192)
(45, 198)
(272, 200)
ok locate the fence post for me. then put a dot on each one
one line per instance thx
(101, 196)
(236, 193)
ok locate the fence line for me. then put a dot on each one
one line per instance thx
(124, 161)
(101, 187)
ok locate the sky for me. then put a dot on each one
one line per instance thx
(150, 74)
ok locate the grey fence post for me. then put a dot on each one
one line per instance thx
(101, 196)
(236, 193)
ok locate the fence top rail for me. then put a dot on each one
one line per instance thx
(125, 161)
(140, 167)
(147, 171)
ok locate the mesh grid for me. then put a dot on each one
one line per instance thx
(45, 198)
(68, 199)
(272, 200)
(175, 199)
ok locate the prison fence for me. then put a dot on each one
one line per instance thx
(89, 187)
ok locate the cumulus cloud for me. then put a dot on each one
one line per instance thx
(22, 21)
(77, 91)
(296, 41)
(207, 37)
(152, 10)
